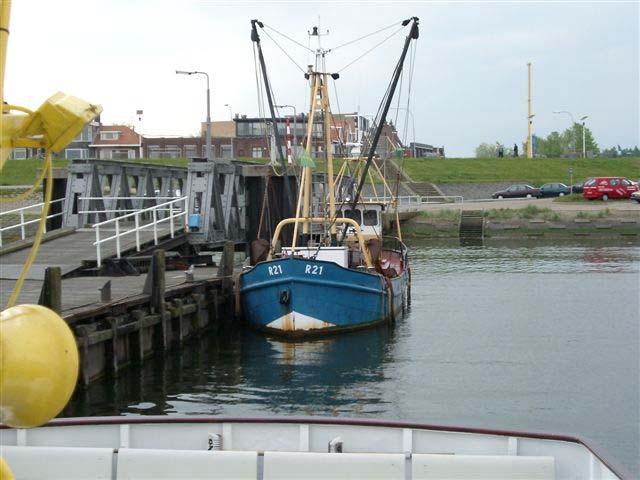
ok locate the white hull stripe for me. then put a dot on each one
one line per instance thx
(296, 321)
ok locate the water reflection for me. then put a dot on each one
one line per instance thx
(509, 335)
(218, 372)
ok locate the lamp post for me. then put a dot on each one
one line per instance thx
(573, 122)
(295, 125)
(231, 116)
(584, 146)
(413, 126)
(208, 137)
(530, 136)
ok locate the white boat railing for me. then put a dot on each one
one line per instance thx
(177, 208)
(22, 224)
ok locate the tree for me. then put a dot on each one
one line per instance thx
(553, 146)
(486, 150)
(575, 133)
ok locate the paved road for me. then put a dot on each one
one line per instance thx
(618, 205)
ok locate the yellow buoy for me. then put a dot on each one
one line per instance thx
(38, 365)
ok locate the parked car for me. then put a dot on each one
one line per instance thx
(636, 196)
(608, 187)
(520, 190)
(554, 190)
(577, 187)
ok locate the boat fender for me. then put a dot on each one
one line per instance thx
(335, 445)
(285, 296)
(392, 314)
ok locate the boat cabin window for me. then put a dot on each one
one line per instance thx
(353, 215)
(370, 218)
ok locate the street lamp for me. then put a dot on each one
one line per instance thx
(183, 72)
(413, 126)
(231, 116)
(295, 125)
(584, 147)
(573, 122)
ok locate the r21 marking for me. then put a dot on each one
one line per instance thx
(313, 269)
(275, 270)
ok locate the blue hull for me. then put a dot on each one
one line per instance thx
(300, 297)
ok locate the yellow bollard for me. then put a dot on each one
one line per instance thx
(38, 365)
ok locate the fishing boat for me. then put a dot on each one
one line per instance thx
(338, 273)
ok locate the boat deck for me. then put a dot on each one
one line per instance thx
(295, 448)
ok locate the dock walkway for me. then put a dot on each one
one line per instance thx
(81, 293)
(70, 252)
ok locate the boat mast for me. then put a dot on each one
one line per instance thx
(328, 150)
(413, 35)
(286, 199)
(319, 103)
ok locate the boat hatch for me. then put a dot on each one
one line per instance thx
(339, 255)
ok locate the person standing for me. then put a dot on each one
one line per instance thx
(515, 149)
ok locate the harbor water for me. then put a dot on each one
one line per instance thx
(527, 336)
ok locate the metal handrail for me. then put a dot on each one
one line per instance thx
(28, 207)
(105, 198)
(181, 212)
(23, 223)
(422, 199)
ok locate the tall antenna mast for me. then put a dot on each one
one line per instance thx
(529, 115)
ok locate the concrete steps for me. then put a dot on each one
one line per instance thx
(471, 226)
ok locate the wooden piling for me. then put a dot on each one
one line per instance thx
(51, 293)
(226, 261)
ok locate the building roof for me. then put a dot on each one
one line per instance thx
(127, 137)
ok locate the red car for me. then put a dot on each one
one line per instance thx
(608, 187)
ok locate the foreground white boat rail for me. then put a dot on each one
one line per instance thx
(296, 447)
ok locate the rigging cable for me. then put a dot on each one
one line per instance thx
(369, 51)
(365, 36)
(261, 110)
(15, 293)
(287, 37)
(283, 51)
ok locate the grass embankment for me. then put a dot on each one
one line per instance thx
(529, 212)
(23, 172)
(534, 171)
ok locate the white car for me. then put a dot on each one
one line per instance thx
(636, 196)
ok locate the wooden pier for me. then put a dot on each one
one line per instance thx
(123, 320)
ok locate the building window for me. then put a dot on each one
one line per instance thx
(251, 129)
(227, 151)
(120, 154)
(132, 153)
(109, 135)
(256, 152)
(190, 151)
(19, 153)
(167, 151)
(76, 153)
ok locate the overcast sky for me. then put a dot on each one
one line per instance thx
(469, 84)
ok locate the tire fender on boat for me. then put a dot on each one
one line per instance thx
(285, 296)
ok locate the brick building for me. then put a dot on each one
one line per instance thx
(116, 142)
(173, 147)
